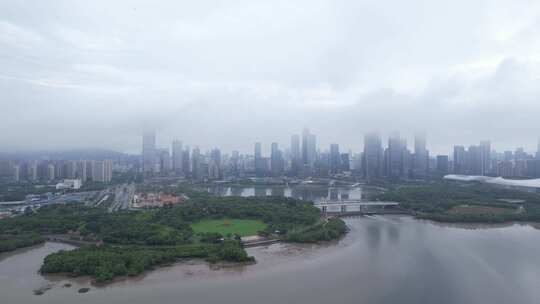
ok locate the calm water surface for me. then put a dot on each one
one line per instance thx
(303, 192)
(386, 259)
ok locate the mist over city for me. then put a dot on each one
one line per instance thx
(217, 74)
(304, 151)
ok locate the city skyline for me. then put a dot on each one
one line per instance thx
(159, 142)
(209, 79)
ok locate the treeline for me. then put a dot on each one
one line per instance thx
(166, 226)
(324, 231)
(135, 241)
(434, 200)
(106, 263)
(281, 214)
(13, 242)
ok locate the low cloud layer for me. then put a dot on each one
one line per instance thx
(227, 74)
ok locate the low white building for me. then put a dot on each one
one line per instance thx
(523, 184)
(69, 184)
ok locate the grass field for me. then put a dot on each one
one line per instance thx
(226, 226)
(472, 209)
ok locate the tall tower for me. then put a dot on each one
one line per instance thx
(305, 144)
(421, 158)
(295, 147)
(259, 162)
(276, 160)
(460, 161)
(177, 156)
(485, 154)
(395, 156)
(335, 159)
(149, 151)
(373, 156)
(312, 149)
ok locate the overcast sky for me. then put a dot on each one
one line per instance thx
(78, 74)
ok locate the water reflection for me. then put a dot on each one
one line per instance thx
(383, 260)
(309, 193)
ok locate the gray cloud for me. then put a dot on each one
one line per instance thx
(221, 73)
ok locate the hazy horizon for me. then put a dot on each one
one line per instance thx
(228, 74)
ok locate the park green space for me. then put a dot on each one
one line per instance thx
(242, 227)
(128, 243)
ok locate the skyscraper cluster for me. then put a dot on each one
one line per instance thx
(395, 161)
(482, 160)
(304, 158)
(52, 170)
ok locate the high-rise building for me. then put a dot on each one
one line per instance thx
(312, 149)
(520, 154)
(295, 147)
(196, 163)
(345, 162)
(421, 157)
(335, 159)
(296, 155)
(305, 143)
(33, 171)
(373, 156)
(102, 171)
(51, 172)
(177, 156)
(235, 163)
(309, 148)
(164, 160)
(460, 161)
(17, 173)
(149, 152)
(186, 167)
(442, 164)
(485, 155)
(394, 160)
(276, 160)
(260, 165)
(474, 161)
(214, 167)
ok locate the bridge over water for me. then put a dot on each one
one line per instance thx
(359, 207)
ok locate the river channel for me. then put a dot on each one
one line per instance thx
(384, 259)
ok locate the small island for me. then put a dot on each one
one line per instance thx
(128, 243)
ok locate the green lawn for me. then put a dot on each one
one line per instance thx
(226, 226)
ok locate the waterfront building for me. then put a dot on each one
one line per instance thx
(373, 156)
(335, 159)
(421, 157)
(394, 160)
